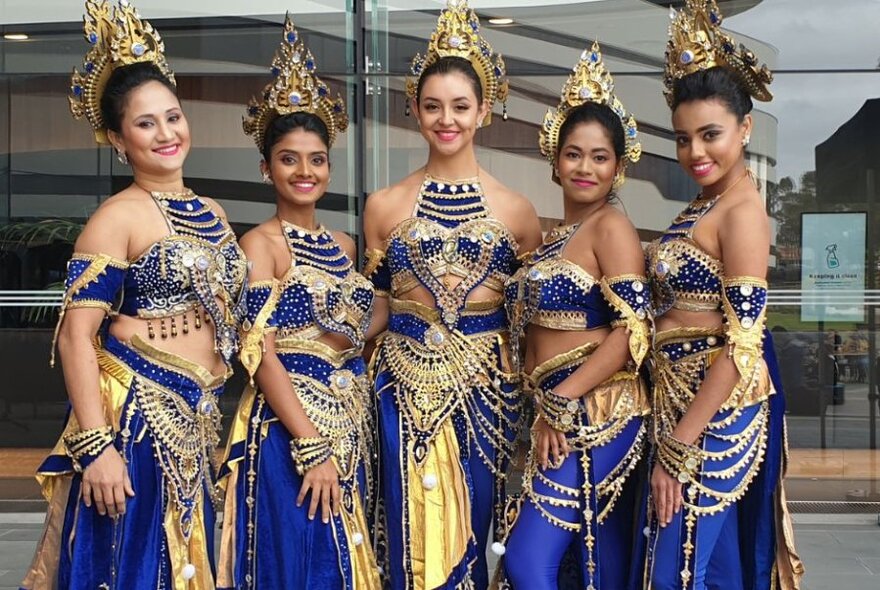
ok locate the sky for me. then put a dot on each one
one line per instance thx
(816, 35)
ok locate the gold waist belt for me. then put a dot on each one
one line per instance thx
(622, 396)
(676, 381)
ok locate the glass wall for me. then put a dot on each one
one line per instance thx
(815, 150)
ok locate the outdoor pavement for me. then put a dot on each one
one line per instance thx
(841, 551)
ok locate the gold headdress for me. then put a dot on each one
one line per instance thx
(458, 34)
(696, 42)
(119, 37)
(588, 82)
(295, 89)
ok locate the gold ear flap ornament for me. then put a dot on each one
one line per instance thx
(696, 42)
(458, 34)
(295, 88)
(119, 37)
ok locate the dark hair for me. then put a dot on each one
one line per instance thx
(452, 64)
(718, 83)
(281, 126)
(590, 112)
(122, 81)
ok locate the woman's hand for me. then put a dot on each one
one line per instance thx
(549, 444)
(106, 483)
(666, 491)
(323, 481)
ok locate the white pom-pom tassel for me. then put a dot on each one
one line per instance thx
(646, 531)
(429, 481)
(189, 571)
(498, 548)
(357, 538)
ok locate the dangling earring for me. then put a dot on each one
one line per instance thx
(480, 124)
(120, 155)
(266, 178)
(618, 181)
(746, 140)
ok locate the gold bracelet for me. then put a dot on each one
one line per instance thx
(309, 452)
(561, 413)
(680, 459)
(86, 445)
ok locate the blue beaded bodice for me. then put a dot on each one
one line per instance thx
(682, 274)
(450, 233)
(554, 292)
(196, 264)
(321, 293)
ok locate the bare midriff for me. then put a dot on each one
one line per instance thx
(196, 345)
(542, 344)
(678, 318)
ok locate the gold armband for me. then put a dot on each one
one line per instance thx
(744, 305)
(628, 297)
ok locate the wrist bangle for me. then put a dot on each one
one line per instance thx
(680, 459)
(309, 452)
(85, 446)
(561, 413)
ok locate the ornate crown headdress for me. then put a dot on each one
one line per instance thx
(458, 34)
(589, 81)
(119, 37)
(295, 89)
(696, 42)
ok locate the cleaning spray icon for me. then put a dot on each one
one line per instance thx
(831, 259)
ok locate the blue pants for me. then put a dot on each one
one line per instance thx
(536, 546)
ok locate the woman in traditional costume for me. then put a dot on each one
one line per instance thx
(441, 244)
(582, 302)
(147, 330)
(717, 509)
(297, 461)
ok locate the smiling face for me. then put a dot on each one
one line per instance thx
(586, 164)
(153, 132)
(709, 140)
(299, 167)
(448, 112)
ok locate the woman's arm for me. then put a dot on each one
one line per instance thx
(105, 480)
(375, 266)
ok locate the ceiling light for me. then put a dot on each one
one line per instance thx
(15, 37)
(501, 21)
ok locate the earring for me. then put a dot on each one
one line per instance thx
(746, 140)
(480, 124)
(120, 155)
(266, 178)
(618, 181)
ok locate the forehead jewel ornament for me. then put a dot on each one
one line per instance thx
(295, 88)
(458, 34)
(588, 82)
(118, 37)
(696, 42)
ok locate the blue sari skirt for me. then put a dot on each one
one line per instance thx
(165, 414)
(268, 542)
(733, 531)
(448, 412)
(581, 512)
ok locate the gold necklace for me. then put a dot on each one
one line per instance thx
(725, 191)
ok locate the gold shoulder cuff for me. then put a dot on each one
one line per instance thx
(627, 295)
(252, 341)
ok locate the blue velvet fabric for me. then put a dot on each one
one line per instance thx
(105, 288)
(129, 553)
(288, 549)
(537, 548)
(482, 484)
(736, 548)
